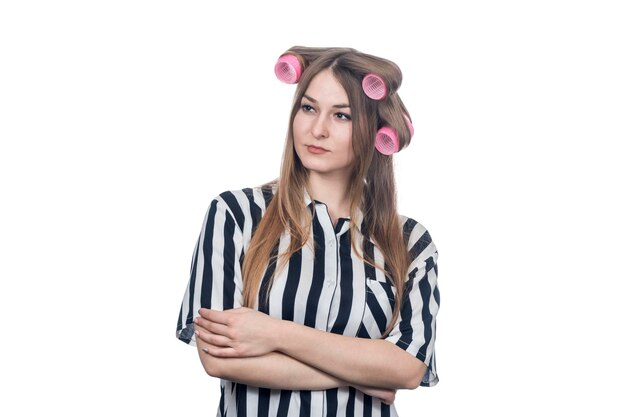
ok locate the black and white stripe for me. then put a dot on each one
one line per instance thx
(331, 289)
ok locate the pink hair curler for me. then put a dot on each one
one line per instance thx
(409, 125)
(288, 69)
(387, 141)
(374, 86)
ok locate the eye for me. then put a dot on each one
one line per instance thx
(343, 116)
(307, 108)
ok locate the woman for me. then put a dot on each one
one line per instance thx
(310, 295)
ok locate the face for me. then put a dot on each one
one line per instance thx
(322, 128)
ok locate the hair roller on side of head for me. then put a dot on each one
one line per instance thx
(288, 69)
(374, 86)
(409, 124)
(387, 141)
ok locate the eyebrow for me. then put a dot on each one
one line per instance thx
(336, 106)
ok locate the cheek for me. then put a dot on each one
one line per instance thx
(297, 127)
(348, 151)
(350, 154)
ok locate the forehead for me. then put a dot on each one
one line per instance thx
(325, 87)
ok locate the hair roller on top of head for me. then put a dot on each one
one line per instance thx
(374, 86)
(288, 69)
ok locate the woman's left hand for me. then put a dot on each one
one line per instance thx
(236, 333)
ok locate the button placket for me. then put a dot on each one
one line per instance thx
(331, 255)
(332, 245)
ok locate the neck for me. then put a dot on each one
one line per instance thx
(332, 191)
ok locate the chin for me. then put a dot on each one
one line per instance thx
(316, 168)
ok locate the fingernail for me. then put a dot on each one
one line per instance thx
(205, 350)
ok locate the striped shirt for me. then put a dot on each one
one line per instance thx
(330, 288)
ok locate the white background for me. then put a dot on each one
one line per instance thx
(121, 120)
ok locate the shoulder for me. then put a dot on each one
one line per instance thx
(418, 239)
(245, 204)
(237, 199)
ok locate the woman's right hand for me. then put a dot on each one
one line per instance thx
(387, 396)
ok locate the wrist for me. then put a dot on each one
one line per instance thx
(281, 335)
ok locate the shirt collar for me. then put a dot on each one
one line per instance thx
(358, 216)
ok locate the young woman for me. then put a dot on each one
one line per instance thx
(311, 295)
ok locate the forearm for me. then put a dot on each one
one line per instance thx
(370, 362)
(246, 333)
(278, 371)
(273, 370)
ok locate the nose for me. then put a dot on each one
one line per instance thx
(320, 128)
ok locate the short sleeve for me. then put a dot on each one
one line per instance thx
(416, 327)
(215, 276)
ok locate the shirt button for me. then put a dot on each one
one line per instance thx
(331, 243)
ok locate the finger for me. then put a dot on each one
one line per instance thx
(220, 352)
(201, 323)
(212, 326)
(213, 339)
(214, 315)
(202, 335)
(217, 340)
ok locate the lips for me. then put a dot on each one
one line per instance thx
(316, 149)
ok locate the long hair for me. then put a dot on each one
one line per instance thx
(372, 190)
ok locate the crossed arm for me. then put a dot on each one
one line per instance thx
(248, 346)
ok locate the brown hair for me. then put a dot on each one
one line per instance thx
(372, 188)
